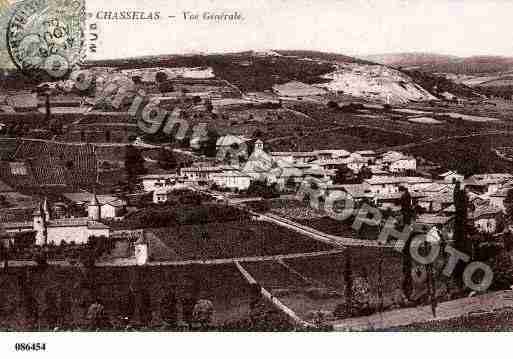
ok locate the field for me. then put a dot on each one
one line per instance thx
(341, 228)
(469, 117)
(232, 240)
(468, 155)
(29, 295)
(397, 126)
(303, 213)
(318, 284)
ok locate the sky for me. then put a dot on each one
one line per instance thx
(353, 27)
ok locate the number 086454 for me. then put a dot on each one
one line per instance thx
(30, 347)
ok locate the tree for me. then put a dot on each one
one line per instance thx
(4, 248)
(333, 105)
(50, 311)
(168, 308)
(208, 105)
(407, 214)
(365, 173)
(166, 159)
(462, 229)
(508, 203)
(343, 174)
(163, 83)
(134, 163)
(208, 145)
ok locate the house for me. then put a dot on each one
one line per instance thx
(397, 162)
(285, 177)
(416, 183)
(368, 155)
(110, 206)
(298, 157)
(486, 218)
(355, 162)
(383, 184)
(378, 170)
(51, 230)
(153, 182)
(403, 165)
(357, 192)
(329, 164)
(113, 209)
(436, 202)
(451, 177)
(201, 174)
(161, 195)
(76, 230)
(18, 227)
(391, 156)
(234, 180)
(260, 163)
(445, 224)
(389, 200)
(390, 184)
(487, 183)
(325, 155)
(497, 198)
(230, 142)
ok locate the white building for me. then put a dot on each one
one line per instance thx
(154, 182)
(487, 183)
(233, 180)
(77, 230)
(368, 155)
(407, 164)
(497, 198)
(486, 218)
(452, 177)
(390, 184)
(201, 174)
(110, 206)
(162, 195)
(297, 157)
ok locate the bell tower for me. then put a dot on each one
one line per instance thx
(93, 209)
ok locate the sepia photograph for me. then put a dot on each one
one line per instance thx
(265, 166)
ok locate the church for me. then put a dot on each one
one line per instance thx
(77, 230)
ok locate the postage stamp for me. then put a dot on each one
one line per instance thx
(46, 36)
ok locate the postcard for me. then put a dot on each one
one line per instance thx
(255, 166)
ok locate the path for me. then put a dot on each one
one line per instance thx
(481, 304)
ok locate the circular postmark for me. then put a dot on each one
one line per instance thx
(46, 37)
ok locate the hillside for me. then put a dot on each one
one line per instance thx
(258, 71)
(246, 70)
(323, 56)
(437, 63)
(410, 59)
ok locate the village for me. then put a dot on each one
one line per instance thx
(84, 186)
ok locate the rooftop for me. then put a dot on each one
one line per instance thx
(488, 178)
(432, 219)
(398, 179)
(85, 197)
(76, 222)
